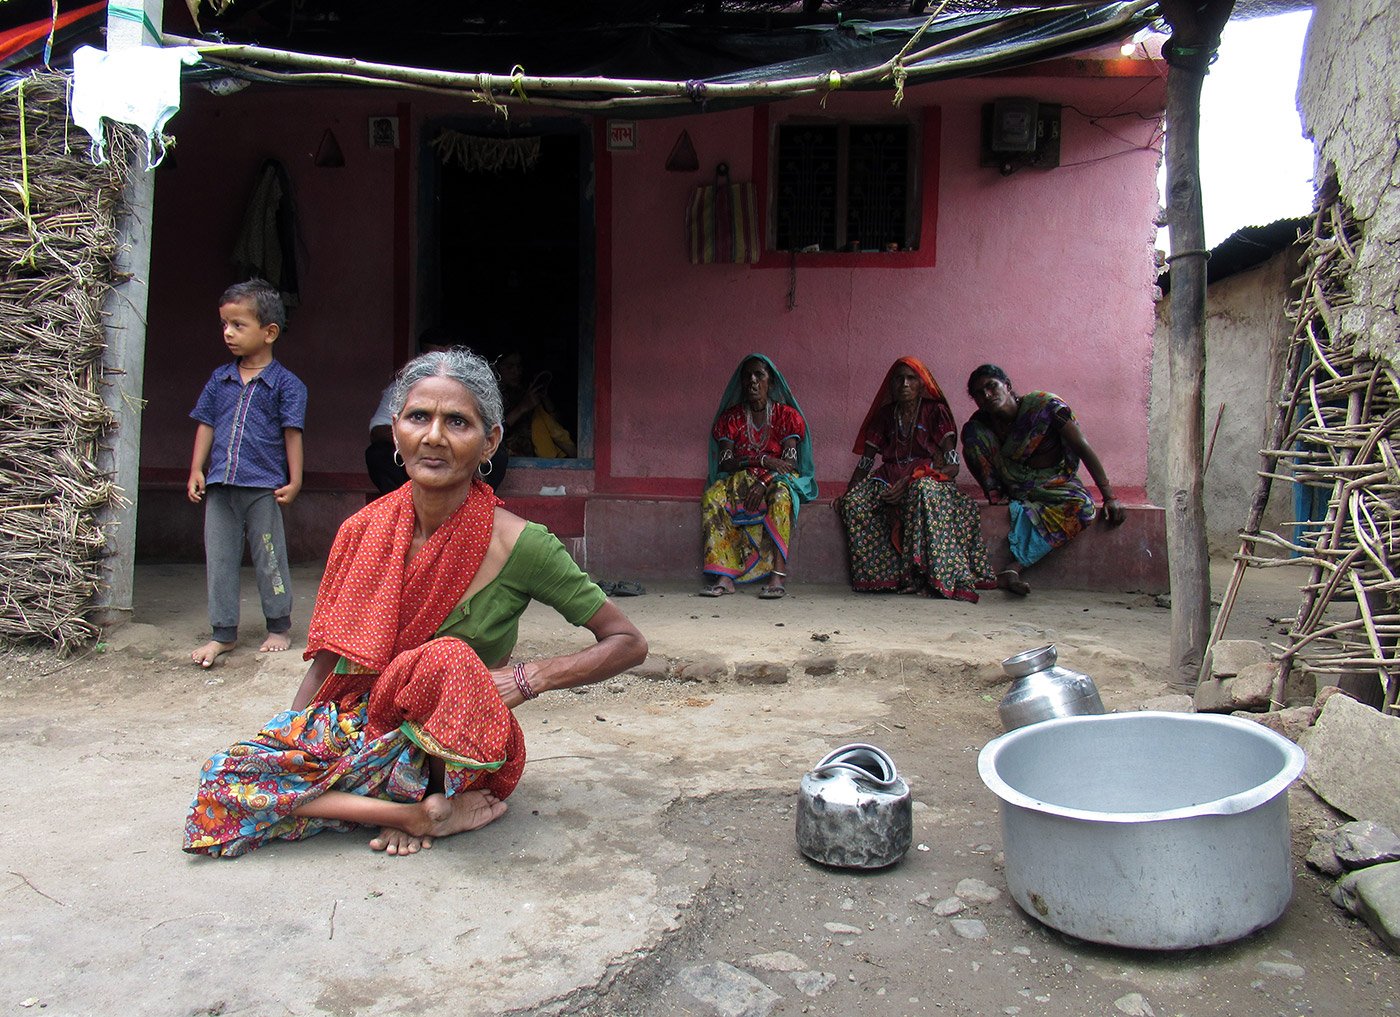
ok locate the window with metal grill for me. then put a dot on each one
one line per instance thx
(845, 187)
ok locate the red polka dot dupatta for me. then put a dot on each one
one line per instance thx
(372, 604)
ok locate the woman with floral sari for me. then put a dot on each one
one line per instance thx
(761, 471)
(1026, 450)
(908, 527)
(404, 719)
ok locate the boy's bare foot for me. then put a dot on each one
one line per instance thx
(399, 842)
(276, 642)
(211, 651)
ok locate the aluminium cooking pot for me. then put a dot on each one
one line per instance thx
(1160, 831)
(854, 810)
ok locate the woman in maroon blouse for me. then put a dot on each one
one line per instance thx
(908, 527)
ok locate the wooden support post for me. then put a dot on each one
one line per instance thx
(133, 23)
(1195, 37)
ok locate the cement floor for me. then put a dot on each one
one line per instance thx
(600, 881)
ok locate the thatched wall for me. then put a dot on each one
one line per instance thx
(58, 236)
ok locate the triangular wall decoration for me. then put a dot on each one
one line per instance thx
(683, 158)
(328, 153)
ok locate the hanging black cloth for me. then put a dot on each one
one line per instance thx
(267, 246)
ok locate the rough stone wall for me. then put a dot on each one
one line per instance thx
(1350, 103)
(1246, 332)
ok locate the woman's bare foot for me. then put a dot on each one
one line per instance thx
(211, 651)
(470, 810)
(1011, 581)
(276, 642)
(399, 842)
(438, 816)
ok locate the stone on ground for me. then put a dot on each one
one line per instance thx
(728, 991)
(1254, 685)
(778, 960)
(974, 891)
(1373, 895)
(1134, 1005)
(655, 668)
(969, 928)
(1231, 656)
(761, 672)
(702, 667)
(1354, 760)
(812, 983)
(1321, 856)
(1290, 722)
(1364, 843)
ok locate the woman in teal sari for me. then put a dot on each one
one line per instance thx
(761, 471)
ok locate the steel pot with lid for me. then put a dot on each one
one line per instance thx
(854, 810)
(1044, 690)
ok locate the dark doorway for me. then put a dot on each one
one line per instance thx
(514, 249)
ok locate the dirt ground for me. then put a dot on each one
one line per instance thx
(651, 838)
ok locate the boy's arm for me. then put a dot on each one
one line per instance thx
(287, 494)
(203, 444)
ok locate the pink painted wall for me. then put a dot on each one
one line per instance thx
(1047, 273)
(340, 341)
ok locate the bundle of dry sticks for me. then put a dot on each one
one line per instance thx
(1336, 430)
(58, 239)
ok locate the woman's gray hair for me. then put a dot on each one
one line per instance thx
(462, 366)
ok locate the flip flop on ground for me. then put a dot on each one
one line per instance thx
(714, 591)
(772, 593)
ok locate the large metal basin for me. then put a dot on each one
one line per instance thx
(1155, 830)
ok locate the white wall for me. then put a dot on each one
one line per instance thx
(1246, 332)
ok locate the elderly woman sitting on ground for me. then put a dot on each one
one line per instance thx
(908, 527)
(405, 718)
(1026, 450)
(761, 471)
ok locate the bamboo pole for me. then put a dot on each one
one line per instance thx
(620, 93)
(1195, 37)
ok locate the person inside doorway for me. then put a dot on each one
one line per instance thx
(532, 421)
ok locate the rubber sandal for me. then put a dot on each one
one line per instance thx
(713, 591)
(772, 593)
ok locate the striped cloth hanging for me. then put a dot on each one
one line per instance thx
(722, 222)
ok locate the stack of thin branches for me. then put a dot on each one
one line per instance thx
(1339, 419)
(58, 240)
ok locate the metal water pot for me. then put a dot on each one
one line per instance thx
(1043, 690)
(854, 810)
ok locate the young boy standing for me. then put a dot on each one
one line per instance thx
(250, 415)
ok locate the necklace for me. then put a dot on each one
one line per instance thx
(758, 436)
(904, 434)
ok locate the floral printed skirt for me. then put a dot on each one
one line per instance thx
(743, 545)
(247, 794)
(930, 542)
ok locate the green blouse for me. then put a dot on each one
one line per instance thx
(539, 568)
